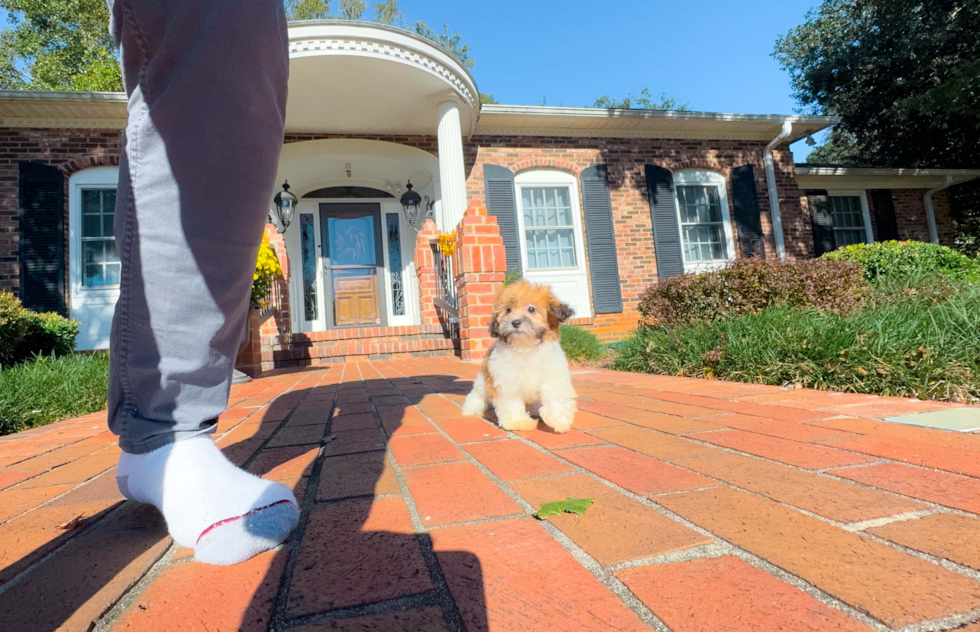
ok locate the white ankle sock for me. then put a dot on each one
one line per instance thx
(224, 513)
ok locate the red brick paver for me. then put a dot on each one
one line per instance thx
(719, 506)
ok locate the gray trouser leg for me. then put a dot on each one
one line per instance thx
(207, 95)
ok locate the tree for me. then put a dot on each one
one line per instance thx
(641, 101)
(58, 45)
(839, 149)
(488, 99)
(450, 40)
(387, 12)
(903, 75)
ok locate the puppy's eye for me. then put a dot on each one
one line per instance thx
(508, 310)
(530, 309)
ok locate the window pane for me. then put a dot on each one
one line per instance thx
(91, 201)
(351, 237)
(93, 276)
(395, 260)
(307, 240)
(112, 272)
(91, 226)
(110, 251)
(92, 252)
(108, 200)
(107, 225)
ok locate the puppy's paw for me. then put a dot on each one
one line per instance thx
(559, 417)
(518, 423)
(474, 407)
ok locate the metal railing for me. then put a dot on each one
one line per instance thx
(446, 301)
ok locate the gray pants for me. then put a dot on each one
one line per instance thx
(206, 81)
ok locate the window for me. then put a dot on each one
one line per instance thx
(100, 262)
(702, 212)
(308, 248)
(549, 230)
(395, 265)
(849, 213)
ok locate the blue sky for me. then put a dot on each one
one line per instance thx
(714, 55)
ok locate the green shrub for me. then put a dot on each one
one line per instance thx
(48, 389)
(580, 344)
(903, 259)
(749, 286)
(900, 349)
(25, 334)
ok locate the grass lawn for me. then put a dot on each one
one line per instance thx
(48, 389)
(908, 348)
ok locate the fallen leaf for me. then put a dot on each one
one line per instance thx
(74, 523)
(569, 505)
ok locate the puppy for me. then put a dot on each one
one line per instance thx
(526, 364)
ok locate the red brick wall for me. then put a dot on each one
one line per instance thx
(68, 149)
(626, 159)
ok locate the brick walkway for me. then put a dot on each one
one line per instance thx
(718, 506)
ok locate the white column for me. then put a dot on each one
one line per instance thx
(452, 173)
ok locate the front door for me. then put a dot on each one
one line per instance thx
(353, 264)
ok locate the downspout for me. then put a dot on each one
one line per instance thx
(777, 217)
(931, 210)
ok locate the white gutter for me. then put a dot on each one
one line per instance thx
(931, 210)
(777, 217)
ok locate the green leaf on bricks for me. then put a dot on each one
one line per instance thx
(569, 505)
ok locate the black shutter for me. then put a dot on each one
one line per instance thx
(885, 222)
(502, 202)
(663, 212)
(748, 221)
(822, 222)
(42, 238)
(601, 240)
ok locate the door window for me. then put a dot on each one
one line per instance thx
(100, 262)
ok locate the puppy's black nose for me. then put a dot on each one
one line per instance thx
(515, 323)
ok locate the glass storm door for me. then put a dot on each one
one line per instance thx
(354, 264)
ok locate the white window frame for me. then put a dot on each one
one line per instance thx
(559, 278)
(94, 178)
(865, 212)
(551, 178)
(704, 177)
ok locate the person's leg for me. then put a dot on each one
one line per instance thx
(207, 92)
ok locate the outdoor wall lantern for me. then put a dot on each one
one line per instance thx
(412, 205)
(285, 205)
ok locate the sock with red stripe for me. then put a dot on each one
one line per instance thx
(225, 514)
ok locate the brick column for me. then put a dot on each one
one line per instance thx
(480, 262)
(425, 270)
(259, 348)
(249, 360)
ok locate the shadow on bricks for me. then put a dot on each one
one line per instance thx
(361, 557)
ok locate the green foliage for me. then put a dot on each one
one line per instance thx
(640, 101)
(839, 149)
(580, 344)
(24, 334)
(749, 286)
(898, 348)
(903, 75)
(908, 259)
(964, 207)
(569, 505)
(512, 276)
(50, 388)
(387, 12)
(352, 9)
(488, 99)
(58, 45)
(450, 40)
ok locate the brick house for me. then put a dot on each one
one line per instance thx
(600, 204)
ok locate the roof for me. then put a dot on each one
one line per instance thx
(830, 177)
(107, 110)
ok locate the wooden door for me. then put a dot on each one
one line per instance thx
(355, 300)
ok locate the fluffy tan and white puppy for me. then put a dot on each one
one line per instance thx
(526, 364)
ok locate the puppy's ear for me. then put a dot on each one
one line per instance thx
(558, 313)
(494, 327)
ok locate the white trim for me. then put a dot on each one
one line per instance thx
(564, 278)
(705, 177)
(865, 209)
(91, 306)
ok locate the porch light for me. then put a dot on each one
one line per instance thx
(809, 139)
(285, 204)
(412, 205)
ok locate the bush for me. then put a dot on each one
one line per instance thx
(900, 349)
(580, 344)
(25, 334)
(49, 389)
(908, 259)
(749, 286)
